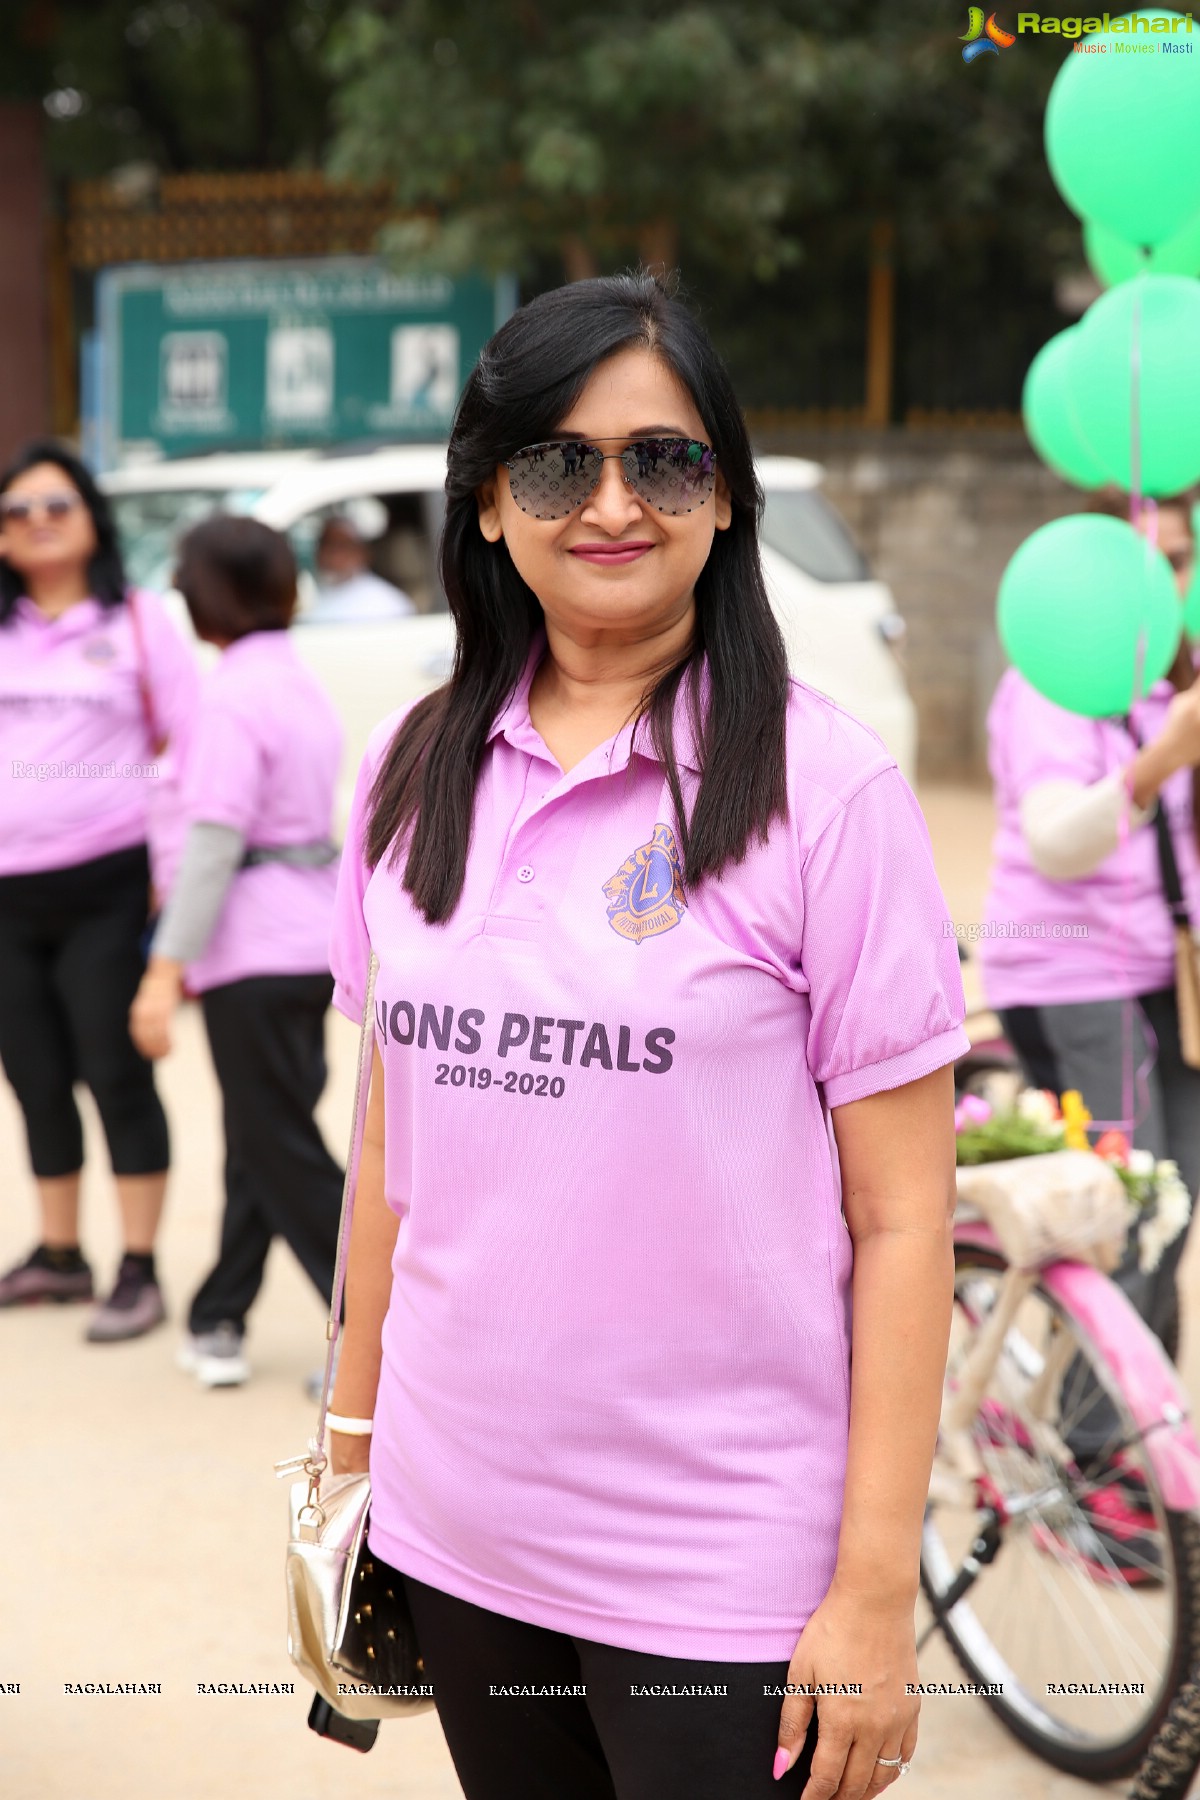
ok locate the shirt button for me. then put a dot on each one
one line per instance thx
(525, 873)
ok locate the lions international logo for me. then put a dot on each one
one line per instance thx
(645, 896)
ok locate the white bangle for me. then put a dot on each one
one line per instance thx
(349, 1427)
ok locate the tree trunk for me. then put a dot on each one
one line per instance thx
(258, 22)
(658, 244)
(881, 326)
(579, 261)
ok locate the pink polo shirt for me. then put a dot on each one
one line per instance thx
(78, 775)
(264, 759)
(1032, 957)
(614, 1391)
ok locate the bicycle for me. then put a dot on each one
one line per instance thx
(1048, 1576)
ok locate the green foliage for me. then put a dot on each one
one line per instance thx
(738, 134)
(524, 128)
(1006, 1135)
(180, 84)
(1141, 1189)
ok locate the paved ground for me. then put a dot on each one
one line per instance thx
(143, 1527)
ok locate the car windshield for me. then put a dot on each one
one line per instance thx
(802, 525)
(151, 522)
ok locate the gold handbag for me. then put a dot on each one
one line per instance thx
(349, 1628)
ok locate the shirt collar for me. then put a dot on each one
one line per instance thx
(513, 721)
(76, 619)
(258, 643)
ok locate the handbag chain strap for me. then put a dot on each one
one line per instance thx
(313, 1462)
(158, 740)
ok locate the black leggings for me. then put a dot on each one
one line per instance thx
(70, 962)
(610, 1744)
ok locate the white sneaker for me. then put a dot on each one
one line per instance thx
(215, 1357)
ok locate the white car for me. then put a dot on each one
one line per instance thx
(841, 627)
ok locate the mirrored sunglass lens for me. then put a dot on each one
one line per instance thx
(55, 506)
(674, 474)
(550, 480)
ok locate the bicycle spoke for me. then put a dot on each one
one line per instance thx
(1068, 1596)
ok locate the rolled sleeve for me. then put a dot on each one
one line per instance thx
(878, 949)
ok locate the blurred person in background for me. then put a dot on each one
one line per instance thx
(1063, 786)
(247, 920)
(348, 587)
(94, 680)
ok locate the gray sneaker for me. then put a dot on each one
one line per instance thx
(37, 1279)
(215, 1357)
(134, 1307)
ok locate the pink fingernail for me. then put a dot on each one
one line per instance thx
(782, 1763)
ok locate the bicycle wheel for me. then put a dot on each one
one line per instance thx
(1084, 1617)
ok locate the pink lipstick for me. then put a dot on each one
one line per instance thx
(609, 555)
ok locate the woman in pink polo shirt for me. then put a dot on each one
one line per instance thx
(1079, 962)
(660, 947)
(247, 918)
(1103, 957)
(93, 680)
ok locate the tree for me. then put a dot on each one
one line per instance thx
(735, 131)
(179, 84)
(591, 133)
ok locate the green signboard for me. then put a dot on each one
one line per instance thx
(237, 355)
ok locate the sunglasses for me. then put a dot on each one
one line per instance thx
(55, 506)
(672, 474)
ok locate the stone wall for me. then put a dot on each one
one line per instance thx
(938, 514)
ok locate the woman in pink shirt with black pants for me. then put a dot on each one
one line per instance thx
(660, 1120)
(247, 919)
(93, 679)
(1078, 955)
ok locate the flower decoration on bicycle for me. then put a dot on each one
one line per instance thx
(672, 474)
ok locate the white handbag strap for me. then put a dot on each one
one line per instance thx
(366, 1047)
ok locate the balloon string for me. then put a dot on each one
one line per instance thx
(1135, 506)
(1133, 1079)
(1135, 1084)
(1135, 413)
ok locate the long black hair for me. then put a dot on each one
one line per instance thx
(106, 571)
(526, 381)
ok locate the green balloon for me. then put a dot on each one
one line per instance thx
(1074, 603)
(1113, 260)
(1048, 421)
(1123, 133)
(1099, 381)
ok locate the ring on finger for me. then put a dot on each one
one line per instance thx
(894, 1762)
